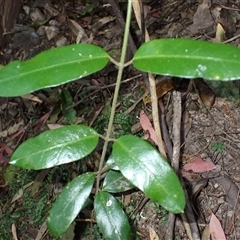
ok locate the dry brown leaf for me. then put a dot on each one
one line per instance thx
(147, 126)
(197, 165)
(42, 231)
(216, 230)
(202, 18)
(162, 87)
(77, 31)
(14, 232)
(32, 98)
(220, 33)
(20, 192)
(206, 94)
(12, 129)
(152, 234)
(206, 233)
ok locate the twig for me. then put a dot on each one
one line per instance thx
(154, 99)
(165, 133)
(189, 215)
(152, 86)
(177, 109)
(232, 39)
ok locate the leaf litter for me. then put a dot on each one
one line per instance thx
(217, 197)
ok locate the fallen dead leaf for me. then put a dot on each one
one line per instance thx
(202, 18)
(216, 230)
(12, 129)
(147, 126)
(198, 166)
(14, 232)
(42, 231)
(20, 192)
(77, 31)
(7, 149)
(220, 33)
(230, 188)
(152, 234)
(206, 233)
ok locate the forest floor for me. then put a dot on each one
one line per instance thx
(209, 134)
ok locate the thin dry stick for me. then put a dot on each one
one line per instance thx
(190, 225)
(177, 109)
(152, 86)
(154, 99)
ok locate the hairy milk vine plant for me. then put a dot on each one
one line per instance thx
(133, 161)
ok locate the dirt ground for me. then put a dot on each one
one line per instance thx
(208, 133)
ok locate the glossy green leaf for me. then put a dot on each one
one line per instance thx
(51, 68)
(110, 164)
(67, 101)
(115, 182)
(145, 168)
(110, 217)
(189, 59)
(55, 147)
(69, 203)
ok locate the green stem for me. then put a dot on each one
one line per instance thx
(121, 66)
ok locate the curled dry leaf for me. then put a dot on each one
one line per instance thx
(162, 87)
(206, 94)
(220, 33)
(77, 31)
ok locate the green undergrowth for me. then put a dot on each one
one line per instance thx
(27, 211)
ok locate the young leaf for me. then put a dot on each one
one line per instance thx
(51, 68)
(55, 147)
(69, 203)
(110, 217)
(145, 168)
(189, 59)
(115, 182)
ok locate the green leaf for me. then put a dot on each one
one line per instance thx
(69, 203)
(115, 182)
(110, 164)
(51, 68)
(218, 147)
(55, 147)
(145, 168)
(67, 101)
(189, 59)
(111, 218)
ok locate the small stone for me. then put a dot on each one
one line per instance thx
(41, 31)
(62, 42)
(37, 15)
(221, 200)
(54, 23)
(230, 213)
(51, 32)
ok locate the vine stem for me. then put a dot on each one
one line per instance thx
(121, 66)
